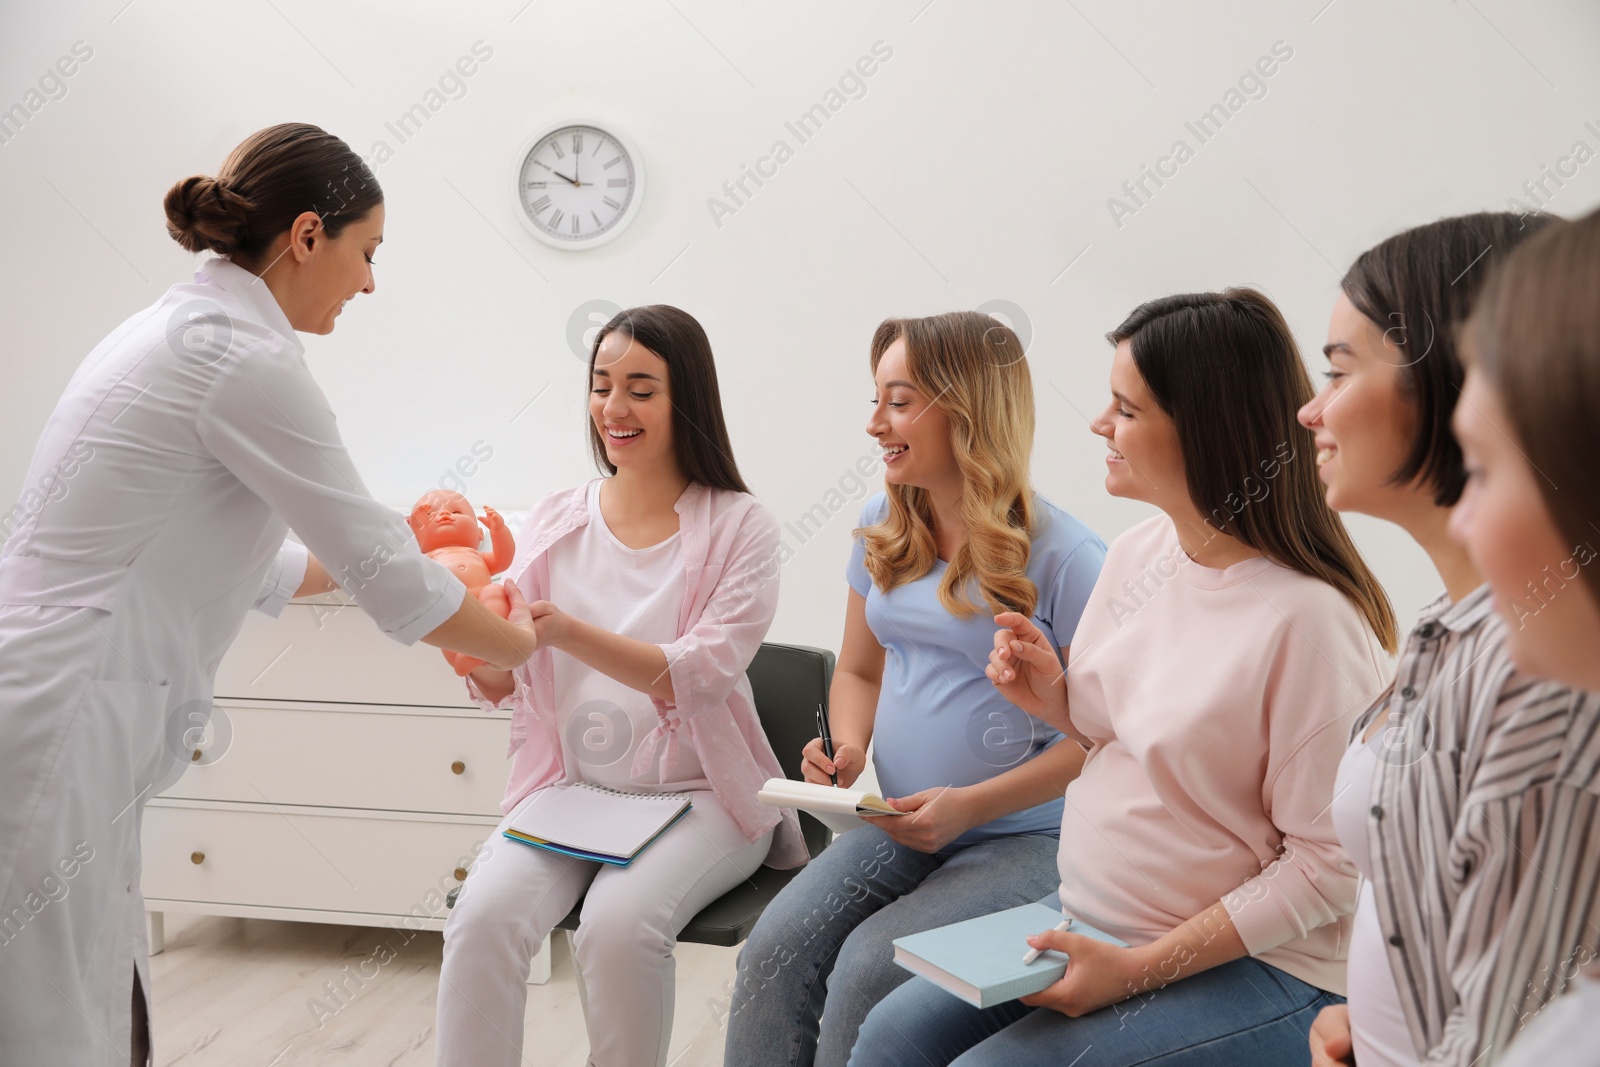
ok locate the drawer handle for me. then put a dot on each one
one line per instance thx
(197, 858)
(461, 874)
(458, 767)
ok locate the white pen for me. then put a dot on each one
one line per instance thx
(1033, 953)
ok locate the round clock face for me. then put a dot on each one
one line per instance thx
(578, 185)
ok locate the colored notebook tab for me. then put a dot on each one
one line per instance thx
(980, 960)
(840, 810)
(591, 822)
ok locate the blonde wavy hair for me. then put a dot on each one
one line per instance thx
(973, 368)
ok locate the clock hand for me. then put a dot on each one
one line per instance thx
(563, 177)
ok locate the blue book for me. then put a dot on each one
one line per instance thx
(980, 960)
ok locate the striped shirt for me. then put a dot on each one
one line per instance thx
(1484, 834)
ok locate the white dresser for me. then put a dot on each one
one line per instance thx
(344, 778)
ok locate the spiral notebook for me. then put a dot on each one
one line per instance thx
(593, 822)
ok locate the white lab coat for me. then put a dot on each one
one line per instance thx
(153, 517)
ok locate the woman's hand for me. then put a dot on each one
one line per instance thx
(542, 620)
(1098, 974)
(549, 624)
(848, 762)
(1024, 667)
(939, 817)
(1330, 1038)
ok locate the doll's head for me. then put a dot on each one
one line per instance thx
(442, 519)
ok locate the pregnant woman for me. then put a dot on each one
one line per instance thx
(957, 535)
(1469, 793)
(185, 446)
(1229, 642)
(639, 685)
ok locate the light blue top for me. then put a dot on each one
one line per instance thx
(940, 721)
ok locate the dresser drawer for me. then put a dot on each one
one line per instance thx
(354, 757)
(324, 650)
(289, 857)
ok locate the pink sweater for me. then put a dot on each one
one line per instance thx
(1219, 703)
(730, 555)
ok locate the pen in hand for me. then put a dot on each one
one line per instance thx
(827, 739)
(1034, 953)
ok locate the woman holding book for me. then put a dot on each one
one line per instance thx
(1229, 643)
(1529, 435)
(957, 535)
(1469, 793)
(665, 577)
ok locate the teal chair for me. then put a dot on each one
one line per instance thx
(788, 682)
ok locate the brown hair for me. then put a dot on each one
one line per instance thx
(1226, 369)
(1417, 286)
(699, 434)
(1535, 335)
(972, 367)
(264, 185)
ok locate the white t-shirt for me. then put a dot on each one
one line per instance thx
(1378, 1027)
(635, 592)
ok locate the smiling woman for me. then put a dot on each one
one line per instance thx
(279, 194)
(1465, 755)
(643, 588)
(209, 440)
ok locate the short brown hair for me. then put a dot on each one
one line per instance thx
(264, 185)
(1418, 286)
(1535, 336)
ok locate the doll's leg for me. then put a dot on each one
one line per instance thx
(494, 597)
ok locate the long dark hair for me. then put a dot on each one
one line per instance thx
(1418, 286)
(1226, 369)
(699, 434)
(274, 176)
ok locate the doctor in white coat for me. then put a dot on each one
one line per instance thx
(153, 517)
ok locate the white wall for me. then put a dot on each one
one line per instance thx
(977, 166)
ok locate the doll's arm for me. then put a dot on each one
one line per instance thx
(501, 547)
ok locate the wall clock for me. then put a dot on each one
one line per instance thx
(578, 185)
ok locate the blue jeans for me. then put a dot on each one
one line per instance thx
(825, 939)
(1242, 1014)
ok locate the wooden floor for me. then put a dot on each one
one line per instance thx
(243, 993)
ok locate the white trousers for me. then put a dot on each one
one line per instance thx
(629, 927)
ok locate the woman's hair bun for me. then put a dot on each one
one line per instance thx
(203, 215)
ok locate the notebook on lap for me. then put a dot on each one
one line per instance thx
(592, 822)
(980, 960)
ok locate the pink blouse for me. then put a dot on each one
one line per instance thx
(731, 561)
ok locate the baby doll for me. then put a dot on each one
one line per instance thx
(447, 530)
